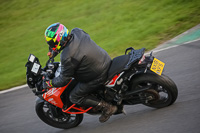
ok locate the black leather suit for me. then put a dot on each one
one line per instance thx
(88, 63)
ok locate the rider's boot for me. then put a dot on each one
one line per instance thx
(107, 110)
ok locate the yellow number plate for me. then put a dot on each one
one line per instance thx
(157, 66)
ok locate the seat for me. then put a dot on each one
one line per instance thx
(118, 64)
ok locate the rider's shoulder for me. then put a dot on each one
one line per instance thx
(77, 30)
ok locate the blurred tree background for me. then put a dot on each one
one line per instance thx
(112, 24)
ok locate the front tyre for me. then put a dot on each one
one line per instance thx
(62, 120)
(162, 90)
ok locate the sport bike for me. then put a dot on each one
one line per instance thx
(133, 78)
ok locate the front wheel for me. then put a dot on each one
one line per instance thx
(54, 116)
(162, 90)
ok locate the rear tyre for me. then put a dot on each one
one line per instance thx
(162, 90)
(62, 120)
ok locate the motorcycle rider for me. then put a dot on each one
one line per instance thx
(82, 59)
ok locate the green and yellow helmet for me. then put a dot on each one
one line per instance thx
(55, 36)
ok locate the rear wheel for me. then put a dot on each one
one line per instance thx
(54, 116)
(162, 90)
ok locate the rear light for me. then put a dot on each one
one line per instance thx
(141, 60)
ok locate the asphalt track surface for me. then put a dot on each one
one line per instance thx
(17, 113)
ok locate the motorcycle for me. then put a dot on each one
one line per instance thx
(133, 78)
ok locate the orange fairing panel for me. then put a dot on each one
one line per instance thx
(53, 96)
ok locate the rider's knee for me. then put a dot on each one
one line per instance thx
(74, 99)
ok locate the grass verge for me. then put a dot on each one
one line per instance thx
(114, 25)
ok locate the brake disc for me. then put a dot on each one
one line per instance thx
(151, 96)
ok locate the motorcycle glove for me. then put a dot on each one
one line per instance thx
(47, 84)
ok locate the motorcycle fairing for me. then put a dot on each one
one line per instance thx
(53, 96)
(114, 80)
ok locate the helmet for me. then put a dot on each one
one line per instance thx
(55, 36)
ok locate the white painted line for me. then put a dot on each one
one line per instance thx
(20, 87)
(13, 89)
(159, 50)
